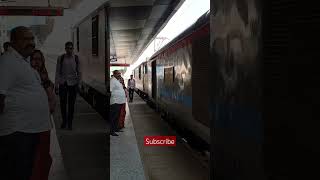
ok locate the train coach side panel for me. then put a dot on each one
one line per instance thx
(174, 89)
(174, 78)
(93, 66)
(236, 106)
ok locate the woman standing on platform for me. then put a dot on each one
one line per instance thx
(43, 160)
(123, 106)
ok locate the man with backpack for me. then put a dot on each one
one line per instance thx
(68, 77)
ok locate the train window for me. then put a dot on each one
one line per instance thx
(168, 75)
(139, 72)
(145, 69)
(78, 39)
(95, 38)
(173, 74)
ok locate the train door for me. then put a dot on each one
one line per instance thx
(154, 79)
(107, 60)
(200, 85)
(144, 77)
(141, 76)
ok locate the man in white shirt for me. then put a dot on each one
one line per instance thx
(24, 108)
(118, 97)
(131, 86)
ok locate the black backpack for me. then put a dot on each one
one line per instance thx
(77, 63)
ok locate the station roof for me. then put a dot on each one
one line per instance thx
(133, 25)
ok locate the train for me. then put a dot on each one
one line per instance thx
(175, 82)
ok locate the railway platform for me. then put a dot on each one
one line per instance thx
(84, 150)
(170, 163)
(125, 159)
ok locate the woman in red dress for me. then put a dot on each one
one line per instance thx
(123, 107)
(43, 160)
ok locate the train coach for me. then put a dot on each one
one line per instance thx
(175, 81)
(91, 44)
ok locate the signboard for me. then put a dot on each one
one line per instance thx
(119, 68)
(118, 64)
(30, 11)
(113, 58)
(36, 3)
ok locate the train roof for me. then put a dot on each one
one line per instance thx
(204, 19)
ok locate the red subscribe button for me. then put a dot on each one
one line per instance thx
(160, 140)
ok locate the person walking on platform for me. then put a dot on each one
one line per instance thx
(122, 115)
(24, 107)
(43, 159)
(68, 77)
(6, 47)
(132, 87)
(118, 97)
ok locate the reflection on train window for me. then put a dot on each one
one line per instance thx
(95, 38)
(168, 75)
(78, 39)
